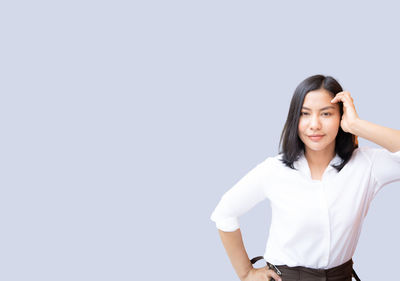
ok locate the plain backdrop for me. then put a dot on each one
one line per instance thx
(124, 122)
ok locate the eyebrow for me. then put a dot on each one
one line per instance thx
(326, 107)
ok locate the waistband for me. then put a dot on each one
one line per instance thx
(300, 272)
(344, 270)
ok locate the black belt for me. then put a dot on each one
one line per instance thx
(274, 268)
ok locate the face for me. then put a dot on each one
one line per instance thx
(319, 117)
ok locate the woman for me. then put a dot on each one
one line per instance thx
(320, 186)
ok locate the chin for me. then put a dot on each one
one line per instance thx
(317, 146)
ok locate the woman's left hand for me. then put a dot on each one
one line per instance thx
(349, 111)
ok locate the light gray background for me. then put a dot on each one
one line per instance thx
(124, 122)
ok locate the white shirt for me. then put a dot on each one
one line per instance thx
(315, 223)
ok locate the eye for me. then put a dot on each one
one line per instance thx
(327, 113)
(303, 113)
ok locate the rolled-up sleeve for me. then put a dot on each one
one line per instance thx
(385, 167)
(244, 195)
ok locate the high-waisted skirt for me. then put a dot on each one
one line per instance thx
(343, 272)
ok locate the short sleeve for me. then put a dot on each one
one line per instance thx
(385, 166)
(244, 195)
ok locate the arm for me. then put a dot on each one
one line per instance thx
(386, 137)
(237, 254)
(243, 196)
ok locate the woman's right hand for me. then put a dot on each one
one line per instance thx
(261, 274)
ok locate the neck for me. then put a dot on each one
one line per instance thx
(319, 158)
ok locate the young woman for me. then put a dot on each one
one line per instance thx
(320, 187)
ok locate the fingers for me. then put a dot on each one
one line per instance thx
(343, 97)
(272, 274)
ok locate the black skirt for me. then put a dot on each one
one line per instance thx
(343, 272)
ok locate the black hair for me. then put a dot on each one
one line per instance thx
(291, 144)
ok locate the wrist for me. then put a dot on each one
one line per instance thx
(247, 274)
(354, 126)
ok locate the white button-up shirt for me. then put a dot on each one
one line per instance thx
(315, 223)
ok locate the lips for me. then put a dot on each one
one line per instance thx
(316, 137)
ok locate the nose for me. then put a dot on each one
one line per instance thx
(315, 123)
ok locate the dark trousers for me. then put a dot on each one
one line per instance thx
(343, 272)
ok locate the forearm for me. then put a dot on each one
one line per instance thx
(383, 136)
(234, 247)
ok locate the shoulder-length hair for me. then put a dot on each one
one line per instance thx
(291, 146)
